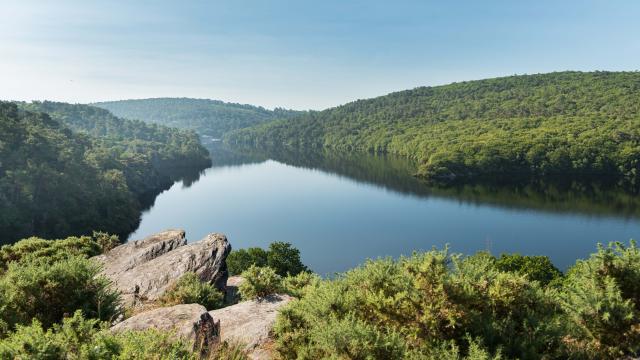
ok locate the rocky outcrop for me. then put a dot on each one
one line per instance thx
(125, 257)
(232, 295)
(191, 322)
(142, 277)
(250, 323)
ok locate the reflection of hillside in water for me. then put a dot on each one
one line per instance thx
(223, 155)
(395, 174)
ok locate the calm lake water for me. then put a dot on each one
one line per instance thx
(340, 210)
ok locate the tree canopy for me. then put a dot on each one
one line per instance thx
(558, 124)
(207, 117)
(82, 169)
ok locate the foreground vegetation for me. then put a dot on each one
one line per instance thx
(208, 117)
(69, 169)
(439, 306)
(281, 257)
(536, 126)
(54, 304)
(432, 305)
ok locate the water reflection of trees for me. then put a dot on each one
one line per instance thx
(396, 174)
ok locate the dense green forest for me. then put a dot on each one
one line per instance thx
(207, 117)
(558, 124)
(71, 169)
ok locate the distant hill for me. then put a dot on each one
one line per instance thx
(558, 124)
(70, 169)
(207, 117)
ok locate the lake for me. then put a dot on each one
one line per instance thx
(341, 209)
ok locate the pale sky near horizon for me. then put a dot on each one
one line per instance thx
(298, 54)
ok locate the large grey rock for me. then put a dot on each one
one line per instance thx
(250, 323)
(146, 282)
(125, 257)
(189, 321)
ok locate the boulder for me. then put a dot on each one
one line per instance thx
(250, 323)
(127, 256)
(231, 295)
(189, 321)
(147, 281)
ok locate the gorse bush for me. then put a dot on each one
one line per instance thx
(48, 279)
(33, 249)
(259, 282)
(438, 306)
(106, 241)
(228, 351)
(418, 307)
(80, 338)
(281, 257)
(601, 297)
(149, 344)
(430, 305)
(300, 284)
(71, 339)
(189, 289)
(537, 268)
(48, 291)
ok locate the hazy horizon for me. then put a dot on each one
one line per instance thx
(297, 55)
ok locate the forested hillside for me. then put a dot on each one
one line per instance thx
(207, 117)
(558, 124)
(166, 148)
(55, 181)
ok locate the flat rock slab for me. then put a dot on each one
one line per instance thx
(127, 256)
(250, 323)
(146, 282)
(191, 322)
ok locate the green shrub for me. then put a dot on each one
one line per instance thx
(68, 340)
(506, 310)
(189, 289)
(601, 297)
(79, 338)
(281, 256)
(284, 259)
(33, 248)
(450, 351)
(417, 306)
(240, 260)
(259, 282)
(149, 344)
(105, 241)
(539, 268)
(48, 291)
(228, 351)
(298, 285)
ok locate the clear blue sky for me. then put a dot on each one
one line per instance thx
(298, 54)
